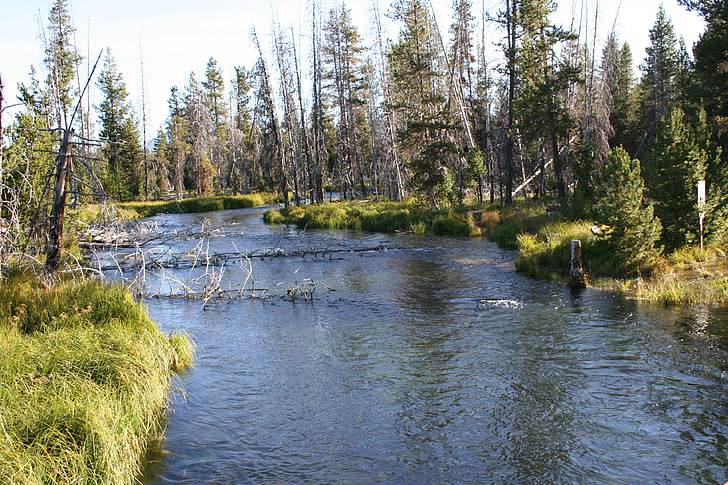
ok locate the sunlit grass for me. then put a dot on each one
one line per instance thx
(84, 378)
(687, 277)
(140, 209)
(386, 217)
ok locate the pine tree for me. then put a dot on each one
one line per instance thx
(268, 156)
(659, 76)
(28, 158)
(214, 87)
(682, 155)
(118, 128)
(635, 229)
(178, 141)
(61, 60)
(342, 59)
(417, 96)
(710, 73)
(618, 76)
(200, 130)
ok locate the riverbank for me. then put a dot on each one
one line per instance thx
(141, 209)
(387, 217)
(543, 240)
(85, 376)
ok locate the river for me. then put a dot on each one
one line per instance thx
(430, 360)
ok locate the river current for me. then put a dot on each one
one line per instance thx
(431, 361)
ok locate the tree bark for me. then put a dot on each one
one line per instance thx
(55, 228)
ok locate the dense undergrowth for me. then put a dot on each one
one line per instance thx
(85, 376)
(142, 209)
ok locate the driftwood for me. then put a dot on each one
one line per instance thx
(155, 271)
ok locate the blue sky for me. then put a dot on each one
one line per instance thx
(176, 37)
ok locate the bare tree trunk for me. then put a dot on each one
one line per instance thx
(511, 61)
(55, 229)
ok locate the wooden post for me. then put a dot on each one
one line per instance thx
(577, 273)
(55, 228)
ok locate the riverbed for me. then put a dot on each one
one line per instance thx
(429, 360)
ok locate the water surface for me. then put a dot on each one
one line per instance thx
(434, 362)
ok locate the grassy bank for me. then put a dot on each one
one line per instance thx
(84, 379)
(138, 210)
(685, 277)
(141, 209)
(387, 217)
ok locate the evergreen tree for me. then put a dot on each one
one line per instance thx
(343, 64)
(214, 87)
(618, 77)
(417, 97)
(268, 156)
(161, 156)
(122, 150)
(659, 76)
(541, 113)
(710, 74)
(240, 132)
(682, 156)
(635, 229)
(200, 130)
(178, 141)
(28, 159)
(61, 60)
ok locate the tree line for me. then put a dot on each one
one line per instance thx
(428, 115)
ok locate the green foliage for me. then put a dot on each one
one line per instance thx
(659, 72)
(27, 162)
(689, 277)
(548, 251)
(122, 151)
(634, 228)
(386, 217)
(451, 223)
(710, 76)
(196, 205)
(84, 378)
(683, 154)
(619, 77)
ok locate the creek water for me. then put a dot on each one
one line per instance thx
(431, 360)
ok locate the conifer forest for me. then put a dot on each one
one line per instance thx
(434, 115)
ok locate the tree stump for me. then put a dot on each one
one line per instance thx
(578, 280)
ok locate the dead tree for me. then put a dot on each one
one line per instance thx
(64, 166)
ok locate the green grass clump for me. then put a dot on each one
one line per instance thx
(548, 252)
(84, 379)
(386, 217)
(687, 277)
(195, 205)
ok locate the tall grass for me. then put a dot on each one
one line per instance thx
(196, 205)
(687, 277)
(84, 379)
(141, 209)
(548, 251)
(386, 217)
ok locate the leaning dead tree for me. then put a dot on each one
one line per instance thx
(59, 181)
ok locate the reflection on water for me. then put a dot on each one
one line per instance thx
(434, 362)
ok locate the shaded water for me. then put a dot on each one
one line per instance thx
(434, 362)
